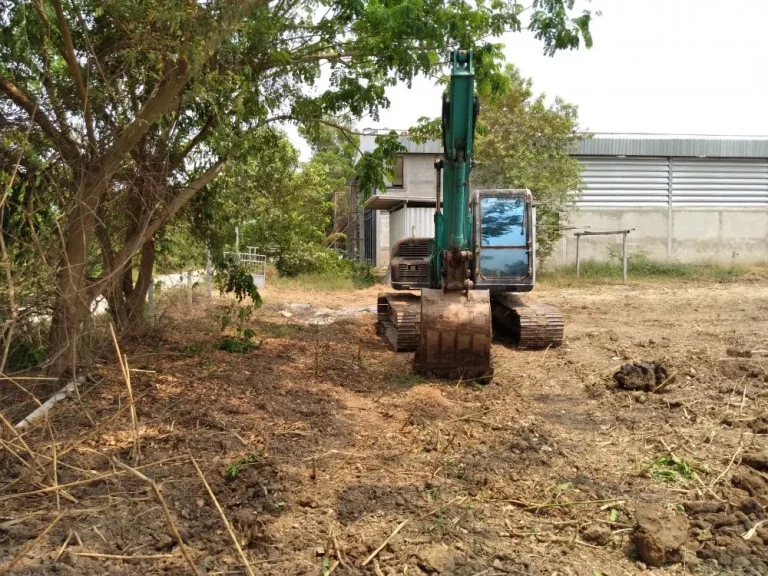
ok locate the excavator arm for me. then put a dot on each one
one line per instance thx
(455, 320)
(451, 251)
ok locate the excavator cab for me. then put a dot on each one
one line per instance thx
(504, 238)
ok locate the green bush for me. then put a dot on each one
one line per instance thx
(232, 278)
(24, 353)
(325, 262)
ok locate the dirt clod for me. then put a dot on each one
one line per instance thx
(738, 353)
(598, 534)
(705, 507)
(756, 461)
(645, 376)
(759, 425)
(659, 535)
(437, 559)
(751, 482)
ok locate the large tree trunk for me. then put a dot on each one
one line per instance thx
(127, 300)
(72, 303)
(76, 295)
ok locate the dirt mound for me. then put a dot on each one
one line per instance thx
(426, 404)
(306, 444)
(644, 376)
(660, 535)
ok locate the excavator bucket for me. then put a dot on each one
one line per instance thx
(455, 336)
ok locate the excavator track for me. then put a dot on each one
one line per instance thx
(398, 319)
(532, 326)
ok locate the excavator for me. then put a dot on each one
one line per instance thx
(482, 256)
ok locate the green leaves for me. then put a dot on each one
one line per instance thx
(234, 469)
(670, 468)
(551, 22)
(376, 167)
(233, 278)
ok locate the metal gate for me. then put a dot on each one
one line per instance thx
(254, 263)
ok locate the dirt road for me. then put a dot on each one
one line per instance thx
(321, 446)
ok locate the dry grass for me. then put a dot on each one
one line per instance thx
(344, 446)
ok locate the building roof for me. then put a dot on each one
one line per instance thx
(368, 144)
(681, 145)
(620, 144)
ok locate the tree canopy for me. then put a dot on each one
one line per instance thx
(118, 114)
(525, 143)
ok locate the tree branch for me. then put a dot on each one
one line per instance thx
(143, 282)
(102, 235)
(74, 68)
(43, 16)
(67, 147)
(145, 234)
(318, 57)
(167, 92)
(177, 159)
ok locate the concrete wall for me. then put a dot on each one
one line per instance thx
(419, 174)
(382, 240)
(690, 235)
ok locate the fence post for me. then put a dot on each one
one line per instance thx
(208, 273)
(151, 301)
(624, 257)
(189, 287)
(578, 262)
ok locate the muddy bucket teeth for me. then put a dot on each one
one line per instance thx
(455, 336)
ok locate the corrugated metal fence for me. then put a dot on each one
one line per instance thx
(411, 223)
(659, 182)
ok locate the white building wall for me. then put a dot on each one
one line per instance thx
(690, 235)
(683, 209)
(688, 209)
(419, 175)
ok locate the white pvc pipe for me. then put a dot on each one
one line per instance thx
(43, 409)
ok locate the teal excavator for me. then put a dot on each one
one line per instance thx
(470, 274)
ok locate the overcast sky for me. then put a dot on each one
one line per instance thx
(657, 66)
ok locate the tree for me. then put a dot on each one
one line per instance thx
(525, 143)
(137, 105)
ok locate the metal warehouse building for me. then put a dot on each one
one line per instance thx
(687, 198)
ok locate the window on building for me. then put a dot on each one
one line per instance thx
(397, 178)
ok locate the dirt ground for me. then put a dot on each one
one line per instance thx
(321, 448)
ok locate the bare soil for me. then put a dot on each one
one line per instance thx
(319, 444)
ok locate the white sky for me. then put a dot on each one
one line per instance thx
(658, 66)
